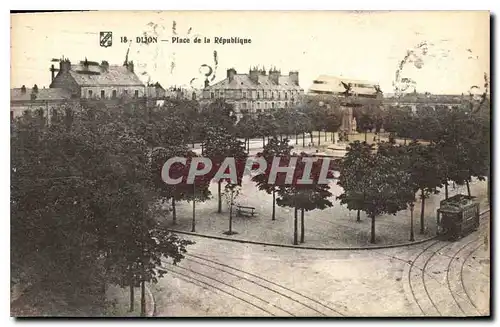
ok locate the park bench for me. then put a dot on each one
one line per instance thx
(244, 210)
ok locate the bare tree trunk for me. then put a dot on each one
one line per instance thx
(366, 135)
(302, 227)
(263, 141)
(174, 213)
(303, 139)
(143, 299)
(296, 138)
(422, 213)
(325, 136)
(468, 187)
(131, 309)
(319, 138)
(358, 217)
(219, 210)
(446, 190)
(248, 145)
(231, 217)
(193, 226)
(372, 240)
(412, 234)
(274, 205)
(295, 226)
(311, 135)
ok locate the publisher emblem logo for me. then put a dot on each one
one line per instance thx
(106, 39)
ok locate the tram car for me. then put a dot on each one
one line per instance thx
(457, 217)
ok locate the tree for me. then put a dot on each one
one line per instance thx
(425, 170)
(304, 197)
(246, 128)
(231, 192)
(181, 191)
(386, 185)
(356, 163)
(274, 148)
(220, 144)
(218, 114)
(82, 192)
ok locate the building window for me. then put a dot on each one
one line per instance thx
(272, 104)
(103, 94)
(266, 95)
(279, 95)
(244, 95)
(114, 94)
(258, 95)
(258, 110)
(136, 93)
(212, 95)
(90, 93)
(286, 95)
(286, 104)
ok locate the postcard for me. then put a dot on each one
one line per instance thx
(250, 164)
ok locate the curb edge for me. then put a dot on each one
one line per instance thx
(311, 247)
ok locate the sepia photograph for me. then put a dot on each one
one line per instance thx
(320, 164)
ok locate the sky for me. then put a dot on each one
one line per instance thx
(359, 45)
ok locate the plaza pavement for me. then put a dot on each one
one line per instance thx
(334, 227)
(223, 278)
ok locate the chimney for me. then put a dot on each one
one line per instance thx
(130, 66)
(34, 92)
(105, 65)
(254, 74)
(294, 77)
(52, 72)
(230, 74)
(23, 89)
(274, 76)
(64, 65)
(207, 83)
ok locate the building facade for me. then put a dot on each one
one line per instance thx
(256, 92)
(91, 80)
(31, 99)
(82, 83)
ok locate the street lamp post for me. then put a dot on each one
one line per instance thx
(412, 236)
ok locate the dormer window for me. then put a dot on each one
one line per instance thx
(90, 93)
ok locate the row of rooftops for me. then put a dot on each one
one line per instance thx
(258, 79)
(92, 73)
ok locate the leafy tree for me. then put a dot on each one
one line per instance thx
(220, 144)
(386, 185)
(246, 128)
(304, 197)
(218, 114)
(356, 163)
(82, 202)
(426, 172)
(274, 148)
